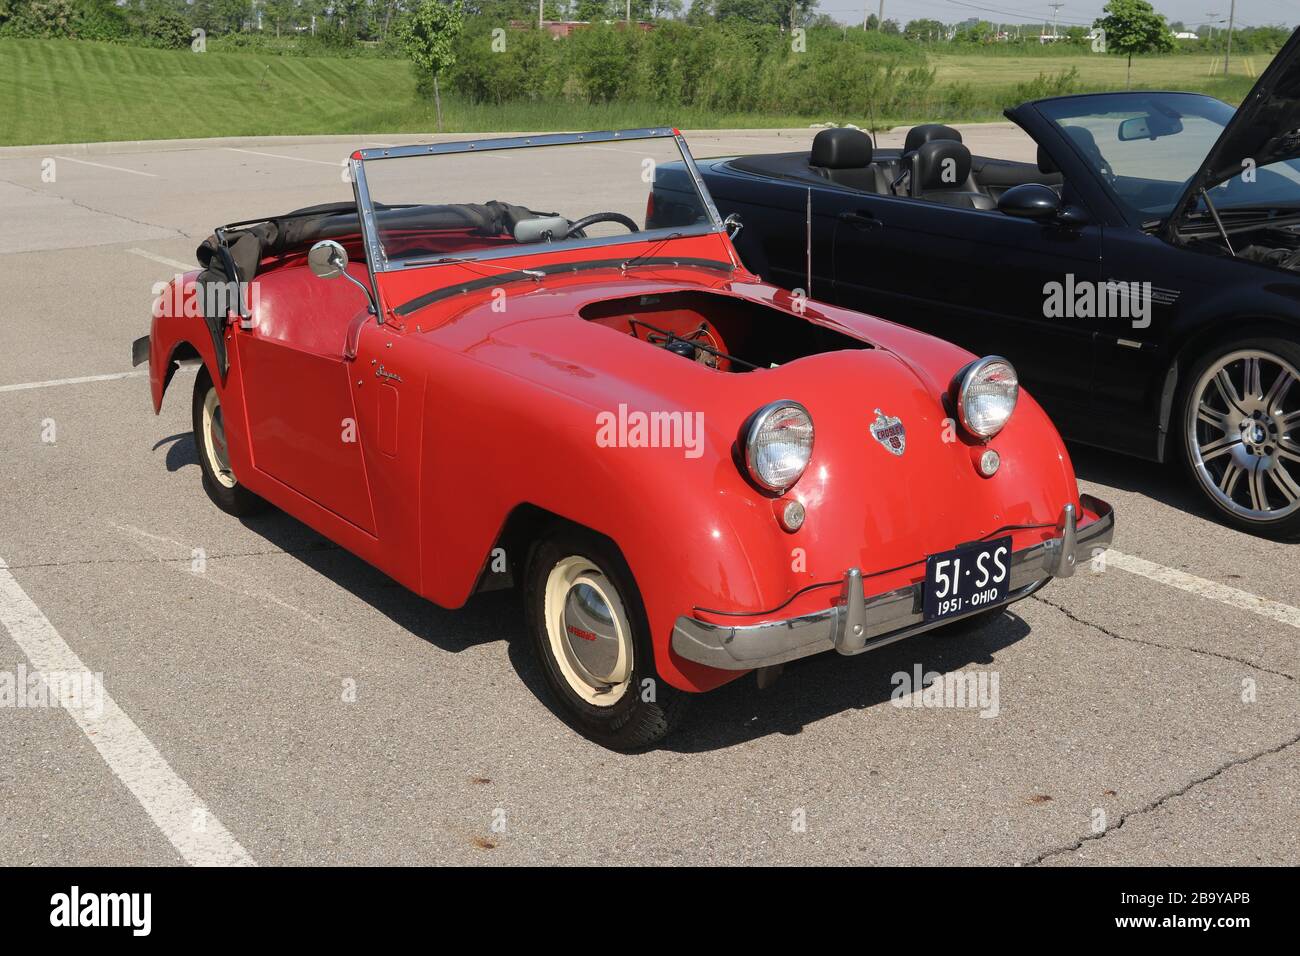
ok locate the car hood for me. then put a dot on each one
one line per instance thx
(1265, 129)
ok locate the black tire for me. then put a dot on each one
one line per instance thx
(233, 498)
(1202, 469)
(647, 708)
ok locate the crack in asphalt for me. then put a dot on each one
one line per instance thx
(89, 208)
(1161, 801)
(182, 560)
(1169, 647)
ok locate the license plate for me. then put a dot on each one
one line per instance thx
(967, 579)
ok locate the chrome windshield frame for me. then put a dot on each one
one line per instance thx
(378, 263)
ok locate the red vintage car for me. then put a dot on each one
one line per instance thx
(689, 472)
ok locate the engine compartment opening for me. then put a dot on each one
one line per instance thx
(719, 331)
(1270, 246)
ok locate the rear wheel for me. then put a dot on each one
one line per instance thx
(591, 636)
(1240, 434)
(219, 480)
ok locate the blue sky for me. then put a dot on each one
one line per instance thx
(1191, 12)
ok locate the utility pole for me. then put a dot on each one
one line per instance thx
(629, 12)
(880, 18)
(1232, 12)
(1056, 7)
(540, 19)
(1211, 14)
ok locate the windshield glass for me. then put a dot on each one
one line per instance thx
(1147, 146)
(477, 201)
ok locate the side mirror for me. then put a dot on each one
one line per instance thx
(1030, 201)
(329, 260)
(734, 224)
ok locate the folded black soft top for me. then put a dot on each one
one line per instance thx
(233, 253)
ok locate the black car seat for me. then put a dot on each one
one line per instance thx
(844, 156)
(940, 172)
(917, 137)
(1086, 143)
(1045, 163)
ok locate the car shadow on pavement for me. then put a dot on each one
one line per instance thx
(808, 691)
(1165, 483)
(828, 684)
(181, 451)
(485, 617)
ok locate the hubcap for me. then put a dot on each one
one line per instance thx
(588, 631)
(1243, 430)
(214, 440)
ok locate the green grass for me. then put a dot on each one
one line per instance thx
(61, 91)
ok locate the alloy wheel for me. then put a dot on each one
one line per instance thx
(1243, 434)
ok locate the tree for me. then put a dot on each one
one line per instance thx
(1133, 26)
(279, 13)
(925, 31)
(428, 36)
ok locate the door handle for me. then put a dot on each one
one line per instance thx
(860, 220)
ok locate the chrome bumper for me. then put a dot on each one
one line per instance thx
(856, 623)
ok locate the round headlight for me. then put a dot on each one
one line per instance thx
(778, 445)
(987, 396)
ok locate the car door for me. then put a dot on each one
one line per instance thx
(298, 392)
(981, 279)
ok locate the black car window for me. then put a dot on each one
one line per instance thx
(1147, 146)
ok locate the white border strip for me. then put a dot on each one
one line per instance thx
(184, 819)
(23, 386)
(1233, 597)
(297, 159)
(116, 169)
(163, 260)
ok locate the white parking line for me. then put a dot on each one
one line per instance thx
(119, 169)
(184, 819)
(1213, 590)
(174, 263)
(23, 386)
(300, 159)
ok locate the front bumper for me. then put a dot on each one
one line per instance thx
(856, 623)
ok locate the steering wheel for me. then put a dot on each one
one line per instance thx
(578, 226)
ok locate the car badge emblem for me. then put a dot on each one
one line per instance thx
(889, 431)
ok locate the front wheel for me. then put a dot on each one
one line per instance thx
(1240, 434)
(219, 480)
(591, 636)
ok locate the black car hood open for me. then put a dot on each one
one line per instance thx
(1265, 129)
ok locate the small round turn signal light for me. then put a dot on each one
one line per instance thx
(790, 514)
(989, 463)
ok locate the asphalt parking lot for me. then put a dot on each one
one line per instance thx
(280, 702)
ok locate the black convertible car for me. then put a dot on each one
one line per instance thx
(1143, 275)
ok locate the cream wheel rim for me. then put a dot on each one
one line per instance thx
(588, 631)
(214, 440)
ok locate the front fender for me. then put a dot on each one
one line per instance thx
(178, 330)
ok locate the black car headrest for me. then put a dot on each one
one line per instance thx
(918, 136)
(1045, 162)
(1084, 139)
(841, 149)
(940, 164)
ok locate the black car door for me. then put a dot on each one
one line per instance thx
(981, 279)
